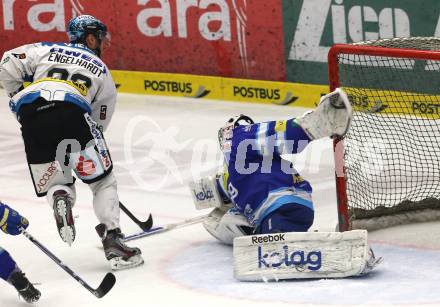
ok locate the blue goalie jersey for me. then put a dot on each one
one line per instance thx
(258, 180)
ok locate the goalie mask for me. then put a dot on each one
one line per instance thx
(225, 133)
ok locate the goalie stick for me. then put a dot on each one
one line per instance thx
(165, 228)
(105, 286)
(145, 226)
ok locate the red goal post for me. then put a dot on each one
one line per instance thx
(378, 77)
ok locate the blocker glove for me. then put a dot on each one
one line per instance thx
(11, 221)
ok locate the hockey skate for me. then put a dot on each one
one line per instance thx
(120, 255)
(25, 289)
(371, 262)
(331, 118)
(62, 210)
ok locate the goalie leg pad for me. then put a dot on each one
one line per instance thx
(297, 255)
(225, 224)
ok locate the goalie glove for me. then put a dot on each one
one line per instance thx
(226, 223)
(331, 117)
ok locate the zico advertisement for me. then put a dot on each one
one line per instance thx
(230, 38)
(311, 27)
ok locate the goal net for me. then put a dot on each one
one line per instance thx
(388, 164)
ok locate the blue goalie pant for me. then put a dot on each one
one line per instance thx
(288, 218)
(7, 264)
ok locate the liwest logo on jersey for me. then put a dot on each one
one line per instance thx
(185, 88)
(76, 57)
(299, 259)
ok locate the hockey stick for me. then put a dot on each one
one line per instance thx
(105, 286)
(165, 228)
(145, 226)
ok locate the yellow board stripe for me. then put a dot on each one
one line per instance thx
(270, 92)
(394, 102)
(219, 88)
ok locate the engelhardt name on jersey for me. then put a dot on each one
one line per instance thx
(59, 72)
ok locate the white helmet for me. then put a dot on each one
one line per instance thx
(225, 132)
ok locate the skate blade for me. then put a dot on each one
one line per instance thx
(371, 265)
(67, 234)
(118, 263)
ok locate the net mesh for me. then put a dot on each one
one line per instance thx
(392, 149)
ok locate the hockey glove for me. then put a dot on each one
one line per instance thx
(11, 221)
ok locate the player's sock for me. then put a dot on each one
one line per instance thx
(120, 255)
(62, 207)
(25, 289)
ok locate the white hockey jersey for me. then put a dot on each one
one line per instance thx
(58, 71)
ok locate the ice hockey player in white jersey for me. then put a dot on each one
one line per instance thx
(63, 111)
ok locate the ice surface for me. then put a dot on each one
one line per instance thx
(158, 144)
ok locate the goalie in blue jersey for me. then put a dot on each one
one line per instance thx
(259, 191)
(264, 207)
(11, 222)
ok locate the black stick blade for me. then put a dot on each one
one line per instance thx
(147, 224)
(143, 225)
(106, 285)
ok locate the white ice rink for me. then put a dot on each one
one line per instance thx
(157, 145)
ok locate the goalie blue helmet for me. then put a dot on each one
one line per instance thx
(80, 26)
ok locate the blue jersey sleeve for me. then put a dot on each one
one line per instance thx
(7, 264)
(271, 138)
